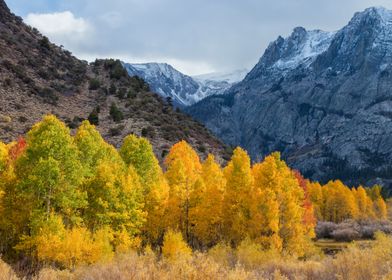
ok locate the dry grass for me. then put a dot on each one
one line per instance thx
(6, 273)
(357, 262)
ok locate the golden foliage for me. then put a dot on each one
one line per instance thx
(174, 247)
(67, 201)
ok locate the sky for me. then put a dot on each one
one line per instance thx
(195, 36)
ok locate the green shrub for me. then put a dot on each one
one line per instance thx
(94, 84)
(93, 118)
(115, 113)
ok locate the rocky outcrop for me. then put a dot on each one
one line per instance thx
(324, 99)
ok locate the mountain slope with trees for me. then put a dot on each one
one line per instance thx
(38, 77)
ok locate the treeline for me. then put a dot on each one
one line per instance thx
(335, 202)
(70, 200)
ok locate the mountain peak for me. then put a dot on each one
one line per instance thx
(372, 15)
(4, 10)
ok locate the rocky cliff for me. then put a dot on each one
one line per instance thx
(324, 99)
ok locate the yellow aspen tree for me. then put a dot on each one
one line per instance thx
(207, 213)
(3, 156)
(14, 207)
(284, 197)
(316, 197)
(49, 175)
(265, 206)
(238, 197)
(138, 152)
(183, 169)
(379, 205)
(365, 204)
(339, 202)
(115, 199)
(380, 209)
(92, 149)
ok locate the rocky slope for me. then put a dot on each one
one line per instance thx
(324, 99)
(182, 89)
(37, 78)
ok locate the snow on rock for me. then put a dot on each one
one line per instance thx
(183, 89)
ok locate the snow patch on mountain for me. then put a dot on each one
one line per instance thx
(229, 77)
(183, 89)
(302, 47)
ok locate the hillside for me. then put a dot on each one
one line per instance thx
(38, 77)
(321, 98)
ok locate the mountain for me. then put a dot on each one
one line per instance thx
(38, 77)
(324, 99)
(182, 89)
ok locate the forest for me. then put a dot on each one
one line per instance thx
(68, 201)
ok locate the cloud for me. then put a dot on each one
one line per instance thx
(61, 27)
(196, 36)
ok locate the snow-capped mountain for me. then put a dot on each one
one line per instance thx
(229, 77)
(183, 90)
(324, 99)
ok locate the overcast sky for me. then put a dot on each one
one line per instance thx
(195, 36)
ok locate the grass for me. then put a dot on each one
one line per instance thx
(361, 260)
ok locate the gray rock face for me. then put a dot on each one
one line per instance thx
(324, 99)
(182, 89)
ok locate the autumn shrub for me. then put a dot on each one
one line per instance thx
(174, 247)
(250, 254)
(359, 263)
(53, 244)
(223, 254)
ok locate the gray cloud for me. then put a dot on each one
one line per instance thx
(195, 35)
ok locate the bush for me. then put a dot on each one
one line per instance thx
(44, 43)
(22, 119)
(325, 229)
(345, 235)
(94, 84)
(49, 96)
(174, 247)
(115, 113)
(251, 254)
(5, 119)
(148, 132)
(121, 93)
(112, 89)
(350, 230)
(115, 131)
(93, 118)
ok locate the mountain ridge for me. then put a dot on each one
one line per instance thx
(39, 78)
(184, 90)
(329, 114)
